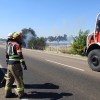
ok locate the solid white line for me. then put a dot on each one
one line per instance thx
(65, 65)
(13, 84)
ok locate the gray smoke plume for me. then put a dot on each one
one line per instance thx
(28, 37)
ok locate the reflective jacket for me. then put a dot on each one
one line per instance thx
(14, 53)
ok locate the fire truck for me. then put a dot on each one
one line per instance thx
(92, 49)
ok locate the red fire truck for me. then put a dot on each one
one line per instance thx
(93, 47)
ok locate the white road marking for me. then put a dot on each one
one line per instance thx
(13, 84)
(65, 65)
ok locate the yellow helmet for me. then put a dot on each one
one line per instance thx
(16, 35)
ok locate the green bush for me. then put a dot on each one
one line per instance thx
(79, 43)
(37, 43)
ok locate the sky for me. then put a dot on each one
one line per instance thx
(48, 17)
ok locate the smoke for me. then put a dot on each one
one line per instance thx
(70, 27)
(28, 37)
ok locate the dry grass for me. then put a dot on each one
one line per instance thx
(65, 50)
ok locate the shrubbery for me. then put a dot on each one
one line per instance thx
(37, 43)
(79, 43)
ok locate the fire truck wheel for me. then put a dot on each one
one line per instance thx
(94, 60)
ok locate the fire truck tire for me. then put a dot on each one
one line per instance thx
(94, 60)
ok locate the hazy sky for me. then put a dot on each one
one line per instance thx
(48, 17)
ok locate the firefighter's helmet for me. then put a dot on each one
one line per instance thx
(10, 35)
(17, 35)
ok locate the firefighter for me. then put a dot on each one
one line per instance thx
(8, 40)
(14, 69)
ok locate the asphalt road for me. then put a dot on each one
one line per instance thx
(57, 77)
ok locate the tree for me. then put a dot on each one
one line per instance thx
(37, 43)
(79, 43)
(27, 34)
(51, 38)
(42, 43)
(25, 31)
(65, 37)
(57, 38)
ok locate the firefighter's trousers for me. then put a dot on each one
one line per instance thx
(14, 73)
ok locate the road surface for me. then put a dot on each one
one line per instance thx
(56, 77)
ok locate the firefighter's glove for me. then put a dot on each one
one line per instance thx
(25, 67)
